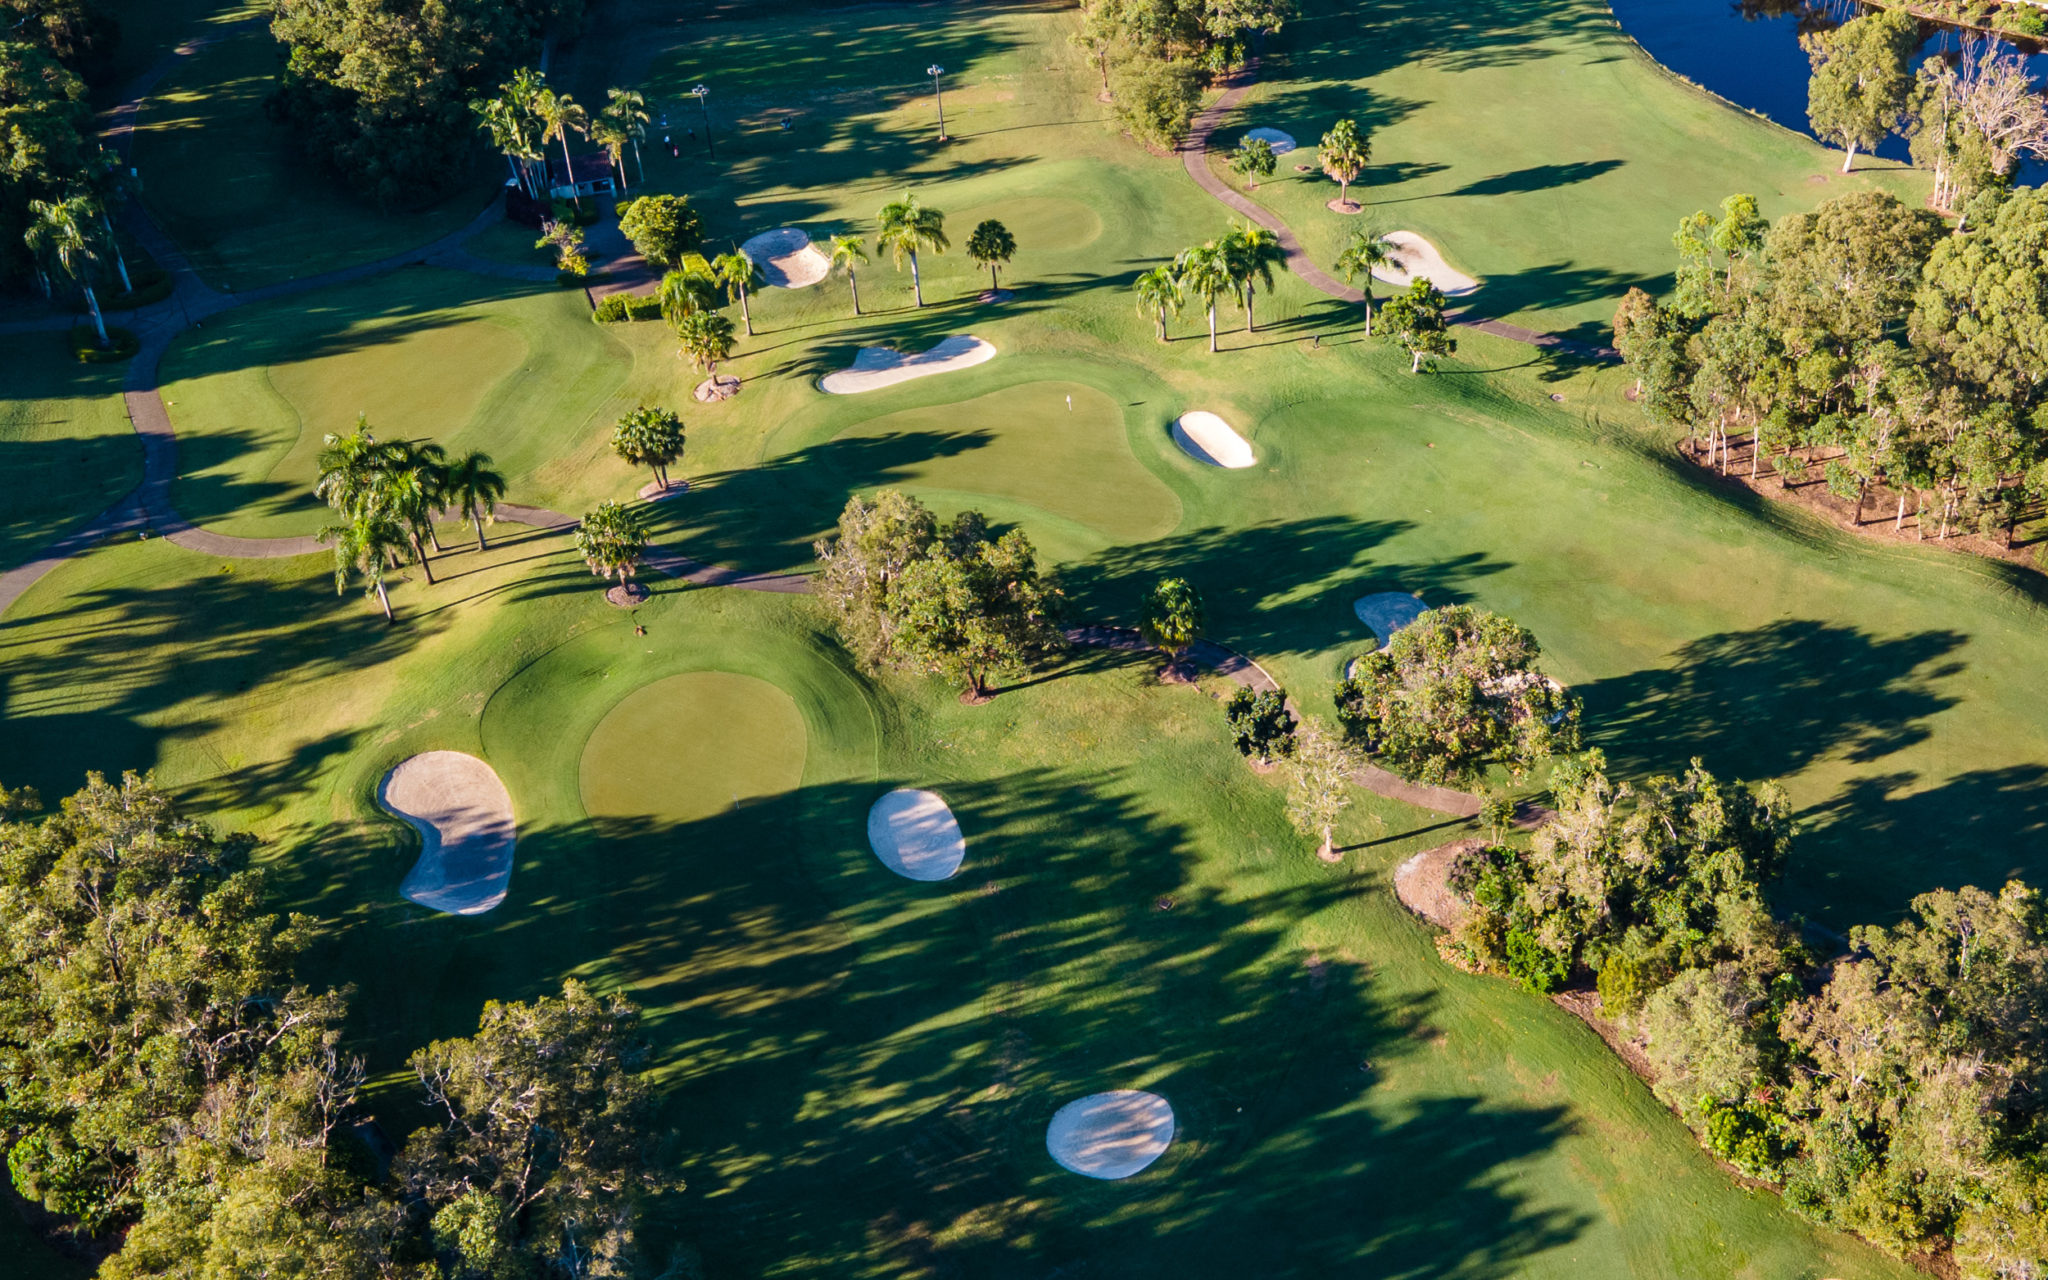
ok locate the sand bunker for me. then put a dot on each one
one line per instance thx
(916, 836)
(1208, 438)
(787, 258)
(1414, 258)
(877, 367)
(1282, 143)
(1387, 612)
(1110, 1135)
(464, 817)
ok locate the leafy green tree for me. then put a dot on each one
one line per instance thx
(663, 228)
(908, 228)
(1652, 342)
(1862, 80)
(625, 117)
(1155, 98)
(1343, 155)
(559, 115)
(1318, 783)
(1364, 253)
(1851, 267)
(1415, 321)
(649, 437)
(1173, 616)
(514, 129)
(1251, 253)
(706, 338)
(1205, 271)
(1261, 726)
(1253, 160)
(611, 538)
(45, 119)
(739, 273)
(976, 609)
(475, 488)
(1456, 690)
(68, 232)
(1982, 308)
(572, 255)
(1158, 291)
(848, 252)
(991, 245)
(861, 565)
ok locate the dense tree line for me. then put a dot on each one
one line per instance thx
(1154, 56)
(177, 1098)
(381, 89)
(1866, 342)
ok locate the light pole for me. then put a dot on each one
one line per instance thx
(700, 93)
(935, 71)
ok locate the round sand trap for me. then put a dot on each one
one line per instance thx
(1110, 1135)
(787, 258)
(916, 836)
(1207, 438)
(876, 367)
(1282, 143)
(464, 816)
(1387, 612)
(1414, 258)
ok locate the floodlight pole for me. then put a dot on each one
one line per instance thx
(935, 71)
(700, 93)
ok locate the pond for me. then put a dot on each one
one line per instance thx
(1749, 53)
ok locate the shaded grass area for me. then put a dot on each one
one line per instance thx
(243, 200)
(66, 449)
(516, 371)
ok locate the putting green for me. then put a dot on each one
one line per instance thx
(1026, 444)
(1050, 224)
(692, 746)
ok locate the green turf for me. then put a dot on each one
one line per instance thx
(66, 449)
(691, 747)
(246, 205)
(516, 370)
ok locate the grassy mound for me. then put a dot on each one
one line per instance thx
(691, 747)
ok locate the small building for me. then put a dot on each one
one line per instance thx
(589, 174)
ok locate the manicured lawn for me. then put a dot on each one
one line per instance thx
(244, 202)
(66, 449)
(691, 747)
(517, 371)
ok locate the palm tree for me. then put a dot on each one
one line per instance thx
(363, 546)
(705, 337)
(626, 111)
(991, 245)
(611, 539)
(1343, 155)
(510, 120)
(66, 230)
(605, 133)
(848, 249)
(738, 273)
(559, 113)
(474, 488)
(1252, 252)
(1158, 292)
(407, 499)
(351, 469)
(688, 289)
(429, 463)
(649, 437)
(1204, 271)
(908, 227)
(1366, 253)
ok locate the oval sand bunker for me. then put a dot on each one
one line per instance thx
(916, 836)
(1414, 258)
(1207, 438)
(787, 258)
(1387, 612)
(1282, 143)
(464, 816)
(876, 367)
(1110, 1135)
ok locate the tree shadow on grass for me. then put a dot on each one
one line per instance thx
(860, 1068)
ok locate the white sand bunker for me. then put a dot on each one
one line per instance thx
(876, 367)
(1282, 143)
(1110, 1135)
(1414, 258)
(464, 817)
(787, 258)
(1208, 438)
(1387, 612)
(916, 836)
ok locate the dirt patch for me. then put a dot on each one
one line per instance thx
(721, 387)
(627, 595)
(1423, 883)
(1585, 1006)
(1348, 208)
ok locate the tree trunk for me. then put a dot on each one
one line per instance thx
(1415, 359)
(434, 536)
(1368, 315)
(1899, 520)
(385, 600)
(745, 315)
(639, 163)
(1212, 326)
(1862, 494)
(97, 323)
(477, 518)
(569, 172)
(1248, 309)
(1756, 451)
(1850, 158)
(1162, 323)
(120, 263)
(426, 565)
(854, 285)
(916, 285)
(1343, 191)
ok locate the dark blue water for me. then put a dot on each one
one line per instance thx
(1750, 54)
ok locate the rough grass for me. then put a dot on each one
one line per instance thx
(691, 747)
(66, 449)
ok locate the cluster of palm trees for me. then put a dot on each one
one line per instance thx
(906, 228)
(75, 236)
(527, 115)
(386, 495)
(690, 295)
(1238, 264)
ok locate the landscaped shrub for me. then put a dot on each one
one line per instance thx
(1539, 968)
(619, 307)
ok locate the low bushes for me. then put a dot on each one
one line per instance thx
(621, 306)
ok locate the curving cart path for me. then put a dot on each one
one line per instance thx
(1195, 159)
